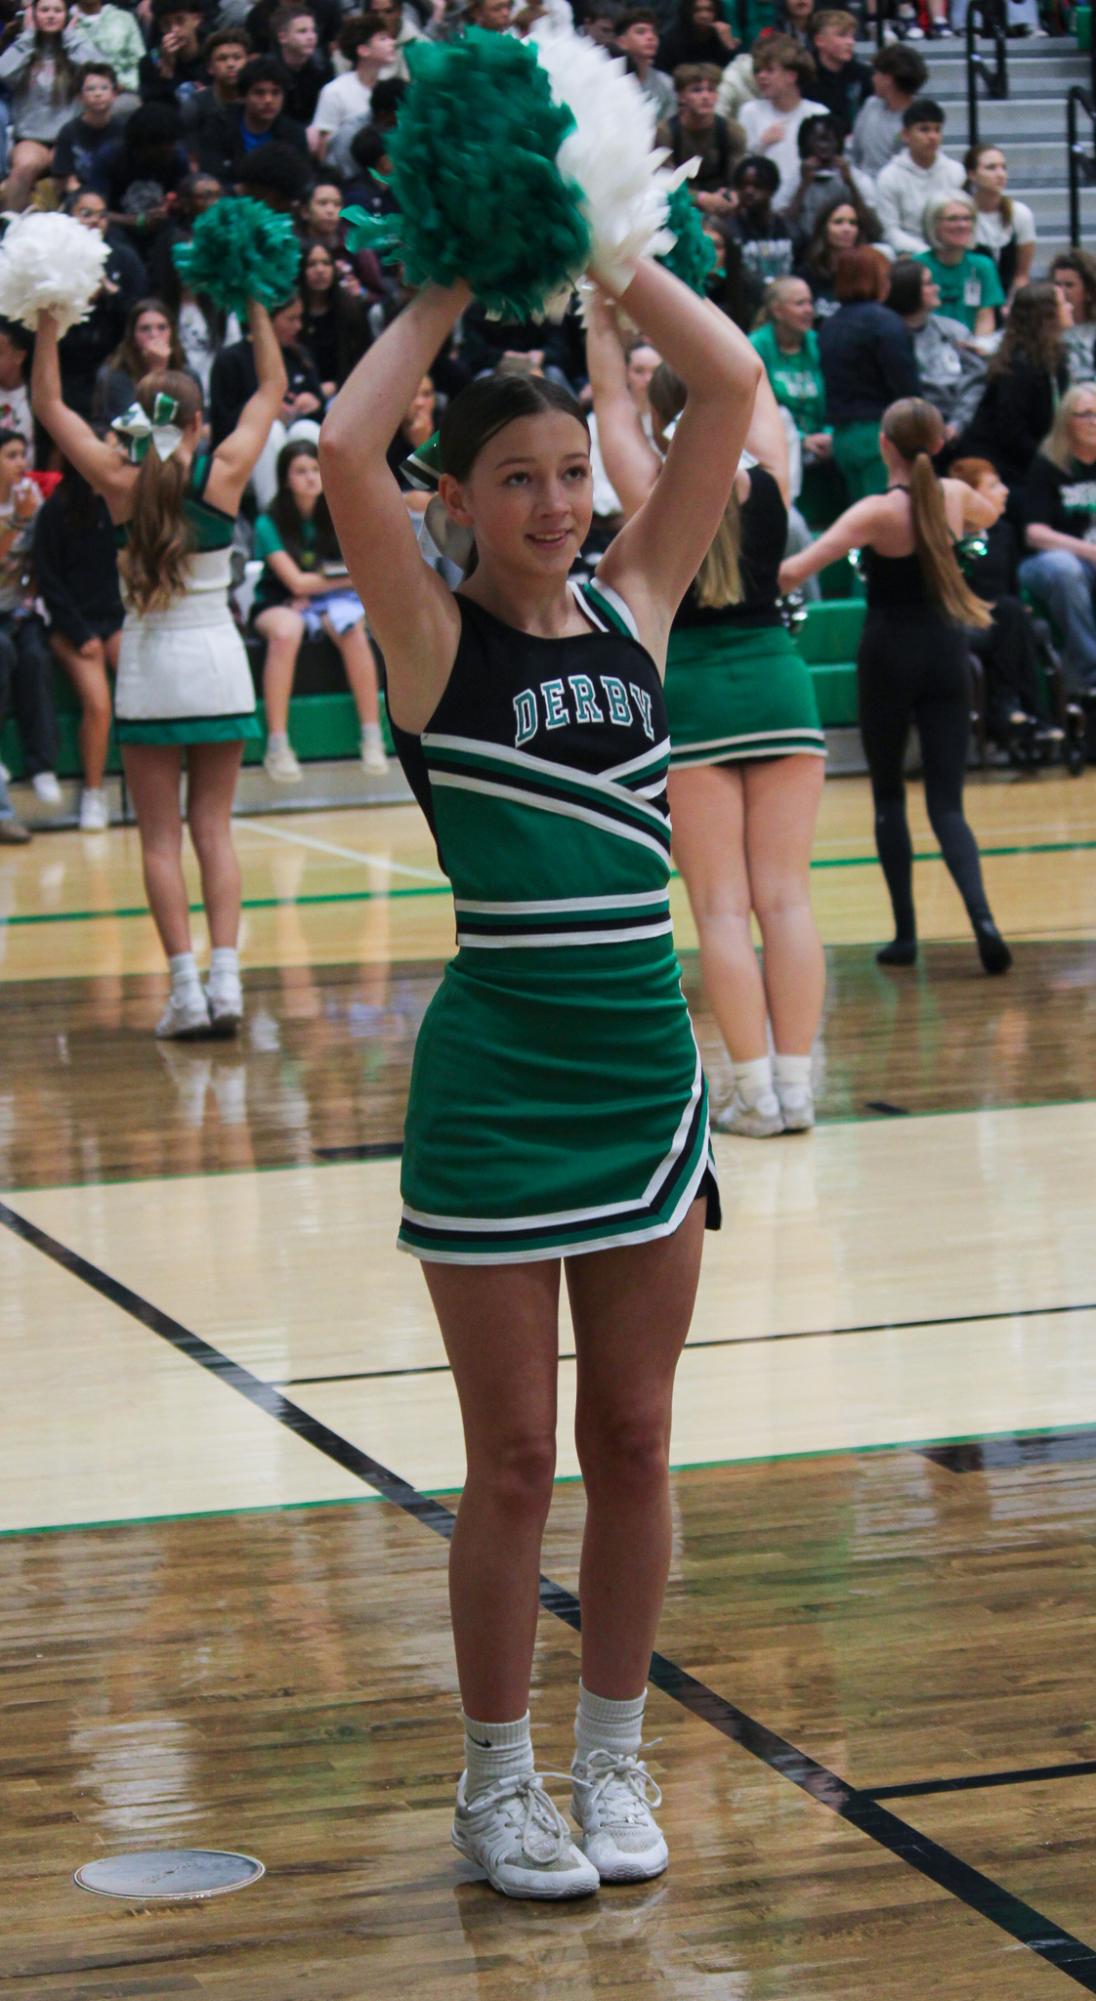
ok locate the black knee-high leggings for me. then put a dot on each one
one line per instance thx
(912, 667)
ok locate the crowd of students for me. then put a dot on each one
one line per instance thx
(866, 261)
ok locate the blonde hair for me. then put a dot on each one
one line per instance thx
(1056, 445)
(159, 539)
(916, 430)
(719, 578)
(934, 209)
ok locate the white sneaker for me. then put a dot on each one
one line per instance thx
(47, 789)
(94, 811)
(519, 1841)
(759, 1119)
(796, 1108)
(225, 999)
(612, 1799)
(281, 765)
(373, 757)
(185, 1018)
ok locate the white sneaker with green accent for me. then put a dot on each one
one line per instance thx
(518, 1840)
(612, 1800)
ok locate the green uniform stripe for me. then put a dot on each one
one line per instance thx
(549, 785)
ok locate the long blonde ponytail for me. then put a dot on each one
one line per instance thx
(719, 578)
(913, 427)
(159, 540)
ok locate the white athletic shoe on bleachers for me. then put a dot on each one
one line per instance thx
(185, 1018)
(612, 1800)
(519, 1842)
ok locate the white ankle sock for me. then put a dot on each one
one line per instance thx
(184, 972)
(754, 1080)
(224, 963)
(371, 732)
(604, 1725)
(496, 1751)
(277, 740)
(792, 1073)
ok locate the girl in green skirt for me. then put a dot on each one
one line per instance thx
(747, 758)
(557, 1119)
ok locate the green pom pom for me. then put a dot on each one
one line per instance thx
(474, 173)
(693, 254)
(240, 250)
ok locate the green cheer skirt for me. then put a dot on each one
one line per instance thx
(191, 729)
(554, 1110)
(733, 695)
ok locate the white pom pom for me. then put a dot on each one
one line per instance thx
(611, 154)
(49, 262)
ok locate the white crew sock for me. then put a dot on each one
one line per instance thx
(754, 1080)
(494, 1751)
(792, 1073)
(371, 732)
(224, 963)
(184, 973)
(277, 740)
(604, 1725)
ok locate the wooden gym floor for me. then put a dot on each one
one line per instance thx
(229, 1450)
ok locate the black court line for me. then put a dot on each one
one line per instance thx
(1033, 1775)
(998, 1454)
(888, 1110)
(382, 1149)
(1010, 1914)
(748, 1341)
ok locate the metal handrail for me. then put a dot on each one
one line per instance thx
(1080, 165)
(991, 14)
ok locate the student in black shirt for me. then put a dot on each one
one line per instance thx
(759, 243)
(1060, 513)
(259, 119)
(840, 81)
(79, 142)
(175, 71)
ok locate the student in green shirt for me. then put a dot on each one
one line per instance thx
(788, 346)
(970, 290)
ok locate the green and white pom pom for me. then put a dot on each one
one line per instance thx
(240, 250)
(693, 254)
(517, 166)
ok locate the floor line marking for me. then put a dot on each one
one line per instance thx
(1032, 1776)
(342, 854)
(1019, 1920)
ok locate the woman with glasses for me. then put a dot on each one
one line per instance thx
(970, 290)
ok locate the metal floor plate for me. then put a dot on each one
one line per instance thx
(169, 1875)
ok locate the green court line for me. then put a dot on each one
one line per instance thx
(443, 889)
(573, 1479)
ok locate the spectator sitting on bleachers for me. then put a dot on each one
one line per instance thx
(916, 176)
(137, 173)
(1026, 377)
(304, 587)
(335, 329)
(232, 383)
(404, 27)
(897, 75)
(1074, 273)
(699, 35)
(845, 225)
(80, 138)
(953, 373)
(342, 156)
(26, 679)
(86, 346)
(225, 55)
(1004, 228)
(277, 175)
(598, 23)
(867, 363)
(417, 427)
(759, 243)
(788, 346)
(116, 39)
(1059, 568)
(16, 344)
(970, 290)
(258, 23)
(201, 326)
(794, 18)
(771, 122)
(739, 84)
(824, 175)
(175, 70)
(841, 81)
(366, 42)
(40, 75)
(1015, 704)
(228, 139)
(307, 69)
(150, 342)
(696, 132)
(76, 572)
(637, 38)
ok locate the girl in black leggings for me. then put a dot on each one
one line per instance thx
(912, 662)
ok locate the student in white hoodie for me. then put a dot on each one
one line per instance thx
(919, 174)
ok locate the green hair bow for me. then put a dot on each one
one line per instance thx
(160, 430)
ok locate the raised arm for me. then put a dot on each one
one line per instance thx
(656, 555)
(101, 464)
(235, 457)
(630, 459)
(411, 611)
